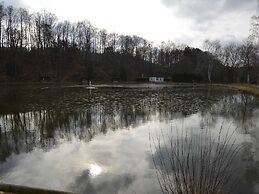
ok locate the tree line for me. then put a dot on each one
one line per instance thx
(38, 46)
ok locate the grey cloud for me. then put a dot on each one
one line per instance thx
(204, 10)
(15, 3)
(240, 4)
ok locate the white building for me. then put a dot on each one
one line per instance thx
(156, 79)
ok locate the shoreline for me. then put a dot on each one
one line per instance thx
(242, 87)
(245, 88)
(16, 189)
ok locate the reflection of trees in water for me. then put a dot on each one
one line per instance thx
(239, 108)
(242, 110)
(65, 114)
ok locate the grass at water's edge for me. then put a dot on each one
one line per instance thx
(15, 189)
(247, 88)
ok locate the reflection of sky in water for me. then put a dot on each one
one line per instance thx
(117, 159)
(84, 152)
(118, 162)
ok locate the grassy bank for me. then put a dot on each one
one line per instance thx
(15, 189)
(247, 88)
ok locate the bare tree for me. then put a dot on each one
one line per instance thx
(103, 40)
(48, 25)
(87, 32)
(62, 34)
(2, 14)
(254, 35)
(23, 16)
(248, 57)
(38, 21)
(213, 49)
(10, 26)
(113, 41)
(233, 55)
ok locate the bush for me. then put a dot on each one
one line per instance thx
(195, 164)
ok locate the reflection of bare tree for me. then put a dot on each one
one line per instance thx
(51, 116)
(241, 110)
(244, 100)
(238, 108)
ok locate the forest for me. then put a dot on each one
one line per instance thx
(39, 47)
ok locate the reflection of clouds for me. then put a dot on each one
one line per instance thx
(120, 155)
(107, 183)
(124, 157)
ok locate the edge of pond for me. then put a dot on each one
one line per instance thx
(16, 189)
(245, 88)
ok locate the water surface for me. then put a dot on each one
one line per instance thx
(73, 139)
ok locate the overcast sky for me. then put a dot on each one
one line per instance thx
(182, 21)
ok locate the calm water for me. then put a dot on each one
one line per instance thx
(72, 139)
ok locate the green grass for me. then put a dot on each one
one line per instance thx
(15, 189)
(247, 88)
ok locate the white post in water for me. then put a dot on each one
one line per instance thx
(90, 88)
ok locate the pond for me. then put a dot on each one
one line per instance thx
(98, 141)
